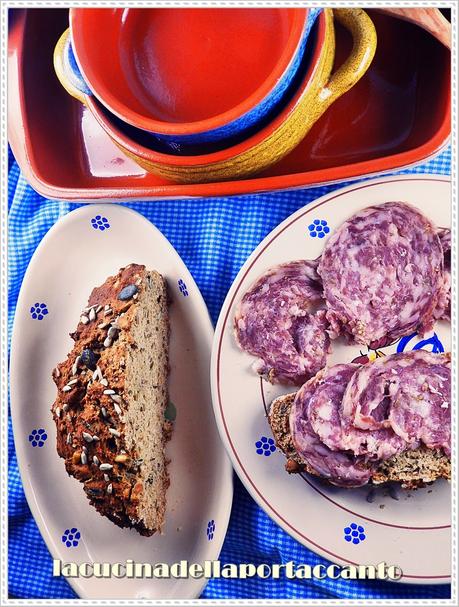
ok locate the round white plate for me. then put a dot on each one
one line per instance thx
(412, 532)
(75, 256)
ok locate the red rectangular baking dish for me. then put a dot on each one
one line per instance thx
(398, 115)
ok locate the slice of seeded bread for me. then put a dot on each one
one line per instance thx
(112, 395)
(412, 469)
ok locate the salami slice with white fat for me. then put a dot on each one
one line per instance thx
(382, 274)
(278, 321)
(444, 234)
(342, 469)
(408, 392)
(340, 434)
(443, 311)
(421, 406)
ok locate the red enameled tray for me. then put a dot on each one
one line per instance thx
(396, 116)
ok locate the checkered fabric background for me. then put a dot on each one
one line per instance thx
(214, 238)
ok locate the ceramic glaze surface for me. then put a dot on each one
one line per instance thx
(173, 85)
(191, 75)
(83, 163)
(317, 91)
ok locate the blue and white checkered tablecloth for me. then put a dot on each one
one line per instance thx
(214, 238)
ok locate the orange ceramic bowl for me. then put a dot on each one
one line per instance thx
(152, 159)
(190, 75)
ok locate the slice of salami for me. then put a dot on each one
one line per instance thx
(443, 311)
(395, 392)
(382, 274)
(277, 320)
(340, 434)
(444, 234)
(366, 403)
(338, 468)
(325, 403)
(421, 407)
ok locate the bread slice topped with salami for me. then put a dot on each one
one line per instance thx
(111, 400)
(384, 274)
(389, 420)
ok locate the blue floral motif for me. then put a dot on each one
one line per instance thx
(182, 288)
(431, 344)
(210, 530)
(100, 223)
(318, 228)
(71, 537)
(38, 311)
(265, 446)
(38, 437)
(354, 533)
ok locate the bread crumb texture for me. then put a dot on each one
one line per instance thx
(412, 469)
(112, 394)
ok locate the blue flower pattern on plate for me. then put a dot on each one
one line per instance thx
(71, 537)
(100, 223)
(265, 446)
(318, 228)
(38, 311)
(210, 530)
(431, 344)
(182, 288)
(354, 533)
(37, 437)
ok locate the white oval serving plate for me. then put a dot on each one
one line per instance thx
(400, 532)
(80, 252)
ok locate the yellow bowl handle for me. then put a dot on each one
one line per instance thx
(363, 33)
(67, 74)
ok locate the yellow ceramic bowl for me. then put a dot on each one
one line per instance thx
(317, 92)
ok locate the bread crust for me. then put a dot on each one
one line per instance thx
(412, 469)
(91, 400)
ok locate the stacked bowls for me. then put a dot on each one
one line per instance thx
(200, 95)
